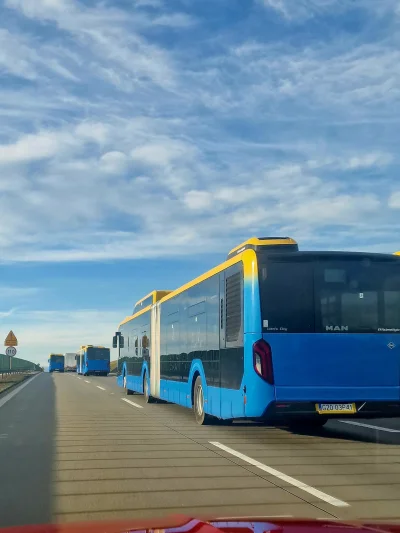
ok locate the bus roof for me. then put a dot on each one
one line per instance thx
(279, 244)
(56, 354)
(92, 346)
(255, 243)
(157, 295)
(134, 315)
(234, 256)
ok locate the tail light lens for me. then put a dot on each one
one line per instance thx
(262, 361)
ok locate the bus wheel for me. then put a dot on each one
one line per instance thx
(146, 392)
(198, 403)
(127, 391)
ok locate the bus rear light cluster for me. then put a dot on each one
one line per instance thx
(262, 361)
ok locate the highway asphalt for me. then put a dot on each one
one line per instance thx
(73, 448)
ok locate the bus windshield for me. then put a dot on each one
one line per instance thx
(329, 293)
(98, 353)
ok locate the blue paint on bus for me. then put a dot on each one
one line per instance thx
(93, 360)
(56, 363)
(274, 335)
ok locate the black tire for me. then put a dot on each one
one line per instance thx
(198, 403)
(128, 392)
(146, 392)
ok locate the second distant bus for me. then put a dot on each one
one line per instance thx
(94, 360)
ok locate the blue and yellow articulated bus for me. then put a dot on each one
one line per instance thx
(56, 362)
(273, 333)
(93, 360)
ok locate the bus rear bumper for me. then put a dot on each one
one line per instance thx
(363, 409)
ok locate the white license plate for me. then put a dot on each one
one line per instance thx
(335, 408)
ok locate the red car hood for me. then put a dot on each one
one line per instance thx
(185, 524)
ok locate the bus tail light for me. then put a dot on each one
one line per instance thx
(262, 361)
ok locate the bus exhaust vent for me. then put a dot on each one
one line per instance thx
(266, 244)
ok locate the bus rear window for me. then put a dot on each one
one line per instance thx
(333, 294)
(98, 353)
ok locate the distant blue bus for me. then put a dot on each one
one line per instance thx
(93, 360)
(56, 362)
(273, 333)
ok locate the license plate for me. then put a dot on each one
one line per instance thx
(335, 408)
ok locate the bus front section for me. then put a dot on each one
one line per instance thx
(330, 343)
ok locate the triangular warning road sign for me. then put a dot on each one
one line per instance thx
(11, 340)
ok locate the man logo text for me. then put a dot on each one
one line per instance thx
(337, 328)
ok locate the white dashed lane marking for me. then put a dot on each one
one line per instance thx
(101, 388)
(132, 403)
(299, 484)
(369, 426)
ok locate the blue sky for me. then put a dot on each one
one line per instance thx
(141, 139)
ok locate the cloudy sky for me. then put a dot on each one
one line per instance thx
(141, 139)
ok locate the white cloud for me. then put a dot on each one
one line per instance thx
(301, 10)
(113, 162)
(176, 20)
(394, 200)
(162, 153)
(29, 148)
(157, 146)
(10, 292)
(104, 32)
(198, 200)
(6, 314)
(41, 332)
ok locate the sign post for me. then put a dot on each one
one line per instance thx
(11, 341)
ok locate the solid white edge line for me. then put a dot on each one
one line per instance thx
(15, 391)
(102, 388)
(86, 381)
(132, 403)
(369, 426)
(291, 480)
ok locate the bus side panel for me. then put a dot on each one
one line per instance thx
(135, 383)
(259, 394)
(135, 355)
(189, 344)
(232, 365)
